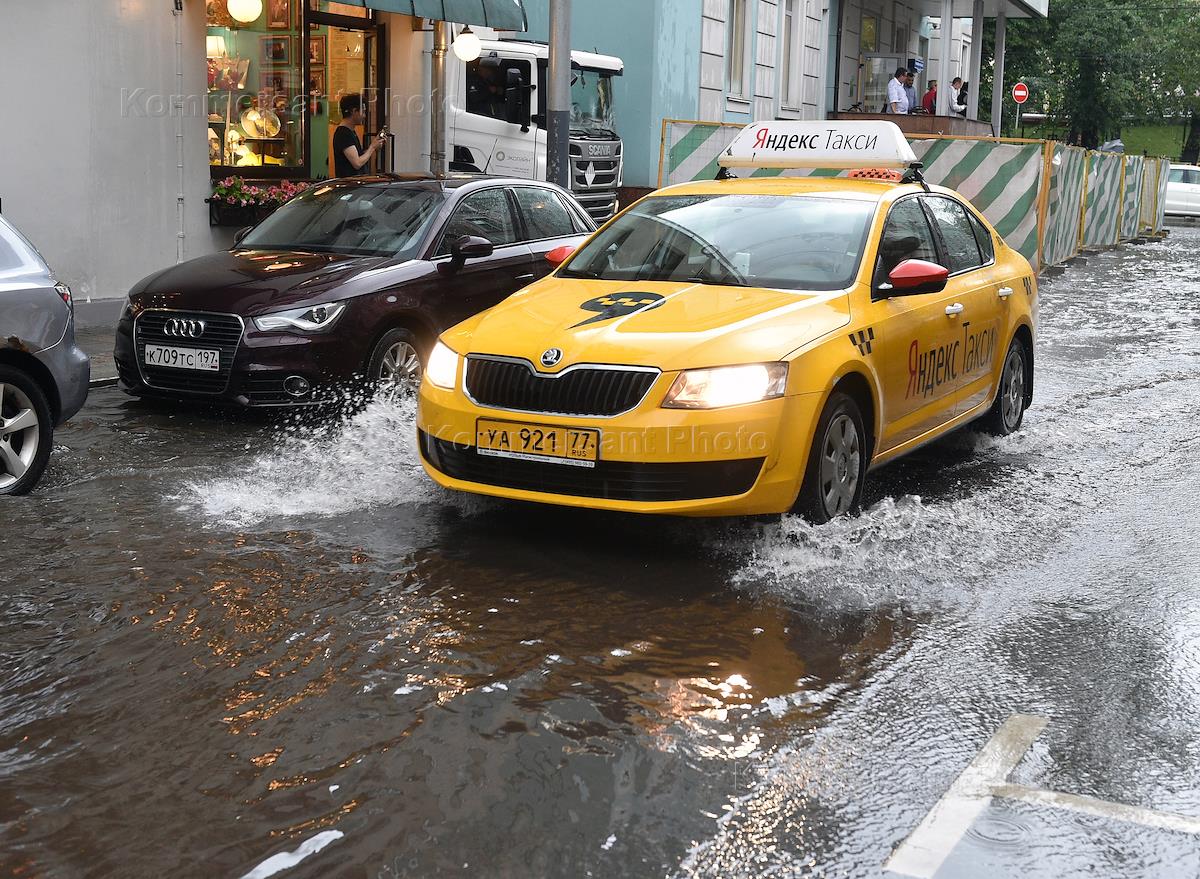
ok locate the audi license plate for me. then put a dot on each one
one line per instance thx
(183, 358)
(537, 442)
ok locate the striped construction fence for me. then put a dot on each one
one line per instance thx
(1047, 199)
(1060, 238)
(1102, 207)
(1135, 169)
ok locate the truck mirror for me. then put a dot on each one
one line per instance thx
(516, 100)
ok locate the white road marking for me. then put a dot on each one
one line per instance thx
(927, 847)
(1102, 808)
(922, 854)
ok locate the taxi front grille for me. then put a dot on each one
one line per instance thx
(586, 391)
(608, 480)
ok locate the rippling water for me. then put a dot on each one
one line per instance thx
(235, 647)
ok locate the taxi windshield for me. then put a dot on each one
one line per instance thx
(358, 220)
(783, 242)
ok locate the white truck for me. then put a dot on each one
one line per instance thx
(496, 119)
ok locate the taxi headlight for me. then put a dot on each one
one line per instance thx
(727, 386)
(314, 319)
(442, 369)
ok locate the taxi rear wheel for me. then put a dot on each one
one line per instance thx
(837, 463)
(1008, 411)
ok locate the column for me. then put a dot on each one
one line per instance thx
(998, 82)
(976, 59)
(945, 48)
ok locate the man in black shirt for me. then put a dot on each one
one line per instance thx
(349, 157)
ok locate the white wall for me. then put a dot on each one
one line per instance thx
(92, 183)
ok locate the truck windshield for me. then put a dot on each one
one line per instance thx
(783, 242)
(385, 220)
(592, 103)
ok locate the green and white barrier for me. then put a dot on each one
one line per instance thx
(1060, 240)
(1102, 211)
(1134, 174)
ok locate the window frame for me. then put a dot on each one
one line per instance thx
(514, 215)
(526, 236)
(790, 36)
(876, 281)
(736, 28)
(944, 251)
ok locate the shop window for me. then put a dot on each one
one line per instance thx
(256, 97)
(487, 86)
(869, 34)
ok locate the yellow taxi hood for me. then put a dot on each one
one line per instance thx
(667, 324)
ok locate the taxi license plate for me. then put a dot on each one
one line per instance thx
(571, 446)
(183, 358)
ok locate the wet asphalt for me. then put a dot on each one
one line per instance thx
(259, 647)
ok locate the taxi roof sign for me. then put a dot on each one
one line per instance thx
(819, 145)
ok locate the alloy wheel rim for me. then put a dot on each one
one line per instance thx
(401, 365)
(1013, 390)
(841, 462)
(20, 434)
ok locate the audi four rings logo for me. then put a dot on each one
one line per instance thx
(183, 328)
(552, 356)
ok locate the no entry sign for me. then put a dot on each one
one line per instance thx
(1020, 93)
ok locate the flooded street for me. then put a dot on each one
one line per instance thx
(252, 647)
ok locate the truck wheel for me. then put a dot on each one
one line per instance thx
(1008, 411)
(26, 432)
(837, 463)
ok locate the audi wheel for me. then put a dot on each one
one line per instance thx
(397, 361)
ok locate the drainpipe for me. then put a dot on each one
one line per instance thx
(437, 98)
(178, 101)
(558, 101)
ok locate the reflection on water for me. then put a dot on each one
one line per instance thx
(235, 645)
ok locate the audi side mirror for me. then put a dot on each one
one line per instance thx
(465, 248)
(559, 255)
(914, 277)
(240, 234)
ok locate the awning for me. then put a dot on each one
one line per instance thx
(505, 15)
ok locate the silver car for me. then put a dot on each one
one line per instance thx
(43, 374)
(1183, 191)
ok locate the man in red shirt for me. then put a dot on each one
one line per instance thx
(929, 102)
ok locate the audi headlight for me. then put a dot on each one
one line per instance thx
(442, 369)
(727, 386)
(314, 319)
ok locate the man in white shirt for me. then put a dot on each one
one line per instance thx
(897, 99)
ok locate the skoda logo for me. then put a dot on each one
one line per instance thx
(552, 357)
(183, 328)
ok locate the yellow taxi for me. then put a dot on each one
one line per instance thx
(742, 346)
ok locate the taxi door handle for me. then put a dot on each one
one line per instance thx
(1004, 292)
(952, 310)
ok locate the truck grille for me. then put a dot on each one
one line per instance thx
(591, 391)
(608, 480)
(595, 178)
(222, 332)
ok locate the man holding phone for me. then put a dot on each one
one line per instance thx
(349, 157)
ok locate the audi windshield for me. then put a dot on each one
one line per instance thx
(782, 242)
(385, 220)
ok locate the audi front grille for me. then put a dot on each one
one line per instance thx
(220, 332)
(596, 391)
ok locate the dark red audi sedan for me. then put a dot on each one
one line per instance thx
(352, 280)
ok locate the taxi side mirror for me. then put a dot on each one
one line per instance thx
(559, 255)
(914, 277)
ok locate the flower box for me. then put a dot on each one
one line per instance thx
(235, 202)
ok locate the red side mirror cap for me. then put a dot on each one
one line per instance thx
(559, 255)
(918, 274)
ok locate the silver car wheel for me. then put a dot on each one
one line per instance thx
(401, 365)
(20, 434)
(841, 464)
(1012, 389)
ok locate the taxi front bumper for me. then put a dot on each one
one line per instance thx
(737, 461)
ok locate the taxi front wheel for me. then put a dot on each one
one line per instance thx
(837, 463)
(1008, 411)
